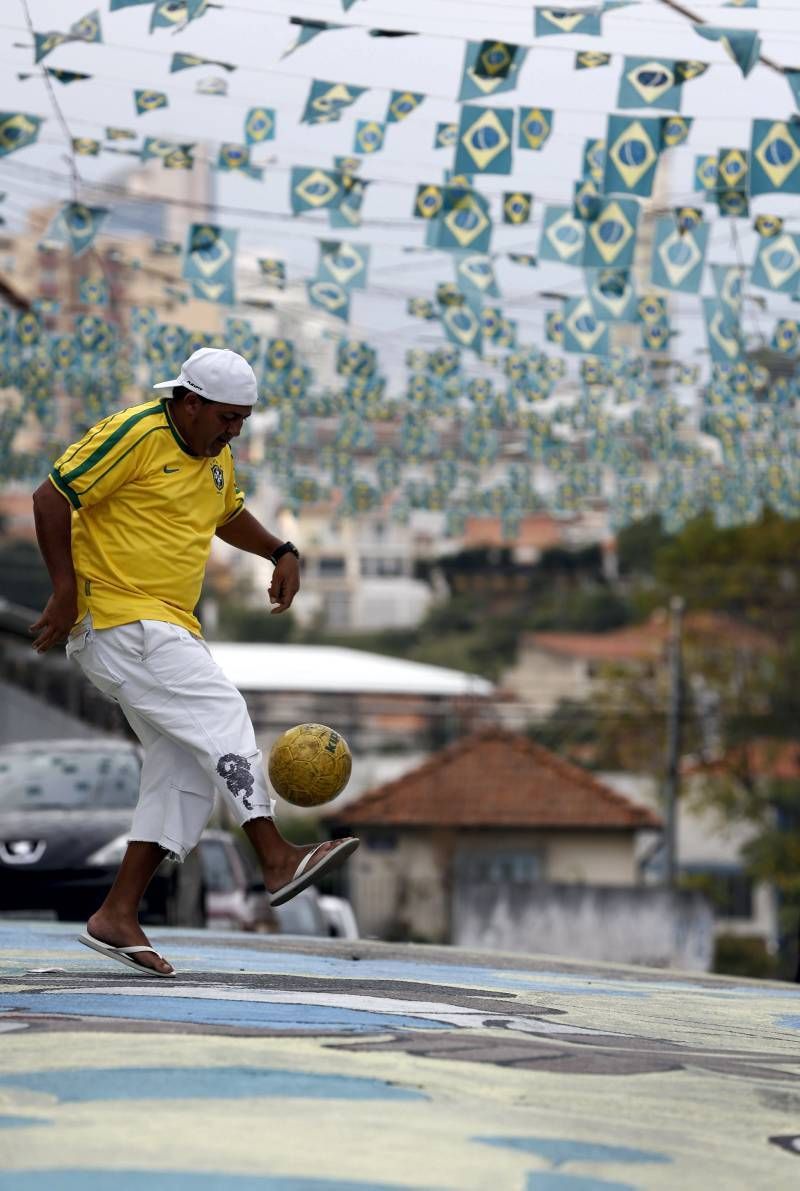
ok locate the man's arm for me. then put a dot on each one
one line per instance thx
(245, 533)
(53, 519)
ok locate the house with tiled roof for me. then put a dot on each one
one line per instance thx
(556, 666)
(492, 808)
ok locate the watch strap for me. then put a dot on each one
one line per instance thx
(286, 548)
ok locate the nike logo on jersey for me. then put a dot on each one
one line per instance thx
(170, 470)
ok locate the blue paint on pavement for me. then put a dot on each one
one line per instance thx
(560, 1150)
(260, 1014)
(551, 1181)
(177, 1180)
(80, 1084)
(7, 1122)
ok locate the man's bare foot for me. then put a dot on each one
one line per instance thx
(127, 932)
(282, 865)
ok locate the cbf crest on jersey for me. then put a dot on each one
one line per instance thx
(218, 476)
(209, 263)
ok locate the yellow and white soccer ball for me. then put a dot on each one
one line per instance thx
(309, 764)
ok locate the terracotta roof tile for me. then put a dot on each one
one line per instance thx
(778, 760)
(497, 779)
(537, 529)
(648, 642)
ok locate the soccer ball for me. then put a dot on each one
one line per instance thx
(309, 764)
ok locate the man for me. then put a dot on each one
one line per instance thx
(125, 522)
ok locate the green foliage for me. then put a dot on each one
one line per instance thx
(239, 623)
(743, 955)
(752, 571)
(638, 545)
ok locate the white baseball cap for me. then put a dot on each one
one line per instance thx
(218, 375)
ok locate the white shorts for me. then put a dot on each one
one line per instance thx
(192, 721)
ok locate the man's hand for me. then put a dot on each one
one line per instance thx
(60, 614)
(285, 583)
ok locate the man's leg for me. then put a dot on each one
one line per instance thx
(176, 799)
(117, 920)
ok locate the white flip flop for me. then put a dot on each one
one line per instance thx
(123, 955)
(307, 873)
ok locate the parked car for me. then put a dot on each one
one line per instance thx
(65, 810)
(65, 813)
(339, 916)
(237, 900)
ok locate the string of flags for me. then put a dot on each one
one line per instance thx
(600, 408)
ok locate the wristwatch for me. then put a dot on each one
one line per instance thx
(286, 548)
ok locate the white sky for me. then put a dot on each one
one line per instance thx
(253, 34)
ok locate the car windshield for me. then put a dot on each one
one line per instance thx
(51, 779)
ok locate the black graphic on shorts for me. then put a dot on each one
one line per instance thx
(238, 778)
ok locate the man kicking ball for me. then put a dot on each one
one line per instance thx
(124, 523)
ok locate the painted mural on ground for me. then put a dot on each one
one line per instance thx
(279, 1065)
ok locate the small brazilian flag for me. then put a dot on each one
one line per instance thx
(84, 146)
(148, 101)
(259, 125)
(591, 59)
(17, 129)
(272, 270)
(517, 206)
(402, 104)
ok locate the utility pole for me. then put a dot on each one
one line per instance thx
(674, 724)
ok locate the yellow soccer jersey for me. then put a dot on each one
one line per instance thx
(145, 510)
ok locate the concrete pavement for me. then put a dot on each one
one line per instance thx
(278, 1064)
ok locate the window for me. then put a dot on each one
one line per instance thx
(330, 566)
(381, 841)
(729, 890)
(383, 567)
(68, 779)
(501, 867)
